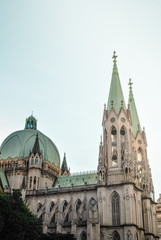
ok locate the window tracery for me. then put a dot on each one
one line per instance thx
(78, 205)
(65, 206)
(114, 146)
(52, 206)
(115, 209)
(116, 236)
(123, 142)
(83, 236)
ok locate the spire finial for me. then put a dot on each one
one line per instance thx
(104, 106)
(101, 140)
(114, 57)
(130, 84)
(32, 113)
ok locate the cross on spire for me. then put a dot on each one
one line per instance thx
(114, 57)
(130, 84)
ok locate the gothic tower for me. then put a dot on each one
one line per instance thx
(124, 175)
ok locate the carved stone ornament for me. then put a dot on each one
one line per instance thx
(100, 197)
(139, 142)
(123, 120)
(112, 119)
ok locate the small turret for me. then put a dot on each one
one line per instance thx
(31, 123)
(36, 147)
(64, 167)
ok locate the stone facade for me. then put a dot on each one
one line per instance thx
(158, 211)
(114, 202)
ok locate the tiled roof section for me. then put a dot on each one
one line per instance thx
(3, 179)
(79, 179)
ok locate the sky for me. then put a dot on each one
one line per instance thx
(56, 60)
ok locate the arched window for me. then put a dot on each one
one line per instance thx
(32, 161)
(78, 204)
(129, 235)
(115, 209)
(52, 206)
(92, 204)
(36, 160)
(30, 182)
(139, 155)
(39, 207)
(115, 235)
(114, 145)
(65, 206)
(34, 182)
(140, 161)
(123, 142)
(53, 219)
(28, 125)
(38, 181)
(83, 236)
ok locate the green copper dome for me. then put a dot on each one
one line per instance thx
(20, 144)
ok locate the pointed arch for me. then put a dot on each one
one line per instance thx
(53, 214)
(129, 235)
(53, 220)
(123, 130)
(65, 204)
(114, 145)
(92, 204)
(115, 203)
(123, 136)
(52, 204)
(115, 235)
(39, 206)
(77, 205)
(83, 236)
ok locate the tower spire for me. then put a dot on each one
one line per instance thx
(115, 95)
(64, 166)
(134, 114)
(36, 147)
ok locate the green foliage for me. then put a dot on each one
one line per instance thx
(57, 236)
(16, 221)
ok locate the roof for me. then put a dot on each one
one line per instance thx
(116, 96)
(20, 144)
(80, 179)
(3, 178)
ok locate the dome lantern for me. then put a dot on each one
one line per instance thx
(31, 123)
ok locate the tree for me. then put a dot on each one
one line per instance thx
(57, 236)
(16, 221)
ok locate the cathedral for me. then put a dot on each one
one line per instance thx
(116, 201)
